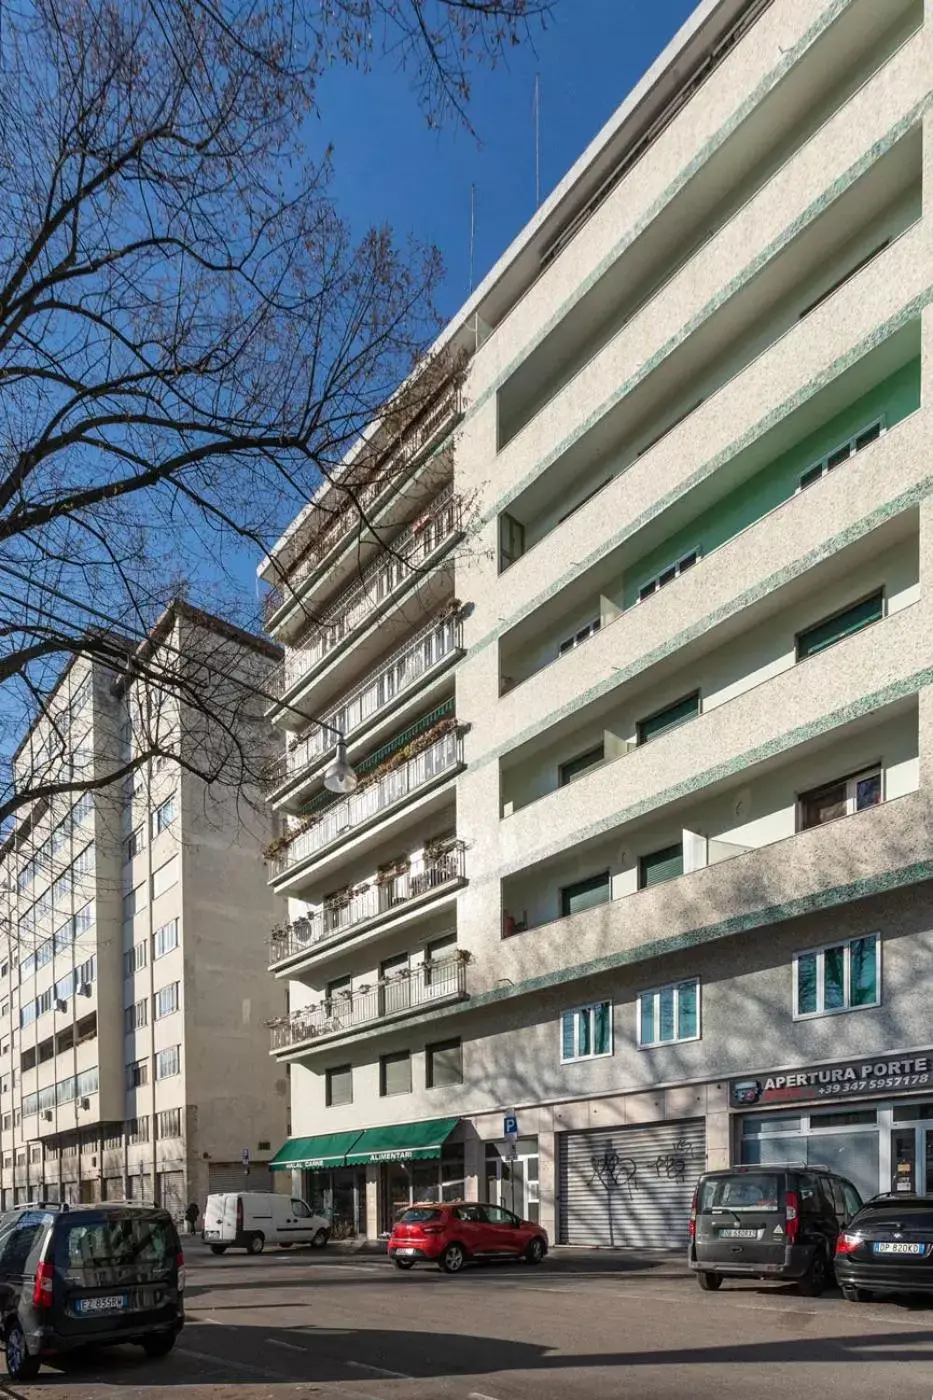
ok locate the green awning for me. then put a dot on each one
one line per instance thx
(327, 1150)
(406, 1142)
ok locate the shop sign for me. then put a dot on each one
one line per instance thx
(395, 1154)
(854, 1079)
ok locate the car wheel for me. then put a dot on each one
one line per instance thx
(709, 1282)
(256, 1243)
(405, 1264)
(855, 1295)
(218, 1249)
(453, 1258)
(20, 1366)
(320, 1239)
(816, 1278)
(159, 1344)
(535, 1251)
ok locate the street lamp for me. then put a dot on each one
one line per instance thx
(340, 775)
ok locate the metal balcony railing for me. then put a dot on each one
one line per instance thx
(406, 991)
(375, 899)
(364, 495)
(354, 607)
(348, 813)
(400, 673)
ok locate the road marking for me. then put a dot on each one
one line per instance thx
(379, 1371)
(224, 1363)
(478, 1395)
(286, 1346)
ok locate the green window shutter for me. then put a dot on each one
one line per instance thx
(841, 625)
(585, 894)
(675, 714)
(659, 866)
(576, 767)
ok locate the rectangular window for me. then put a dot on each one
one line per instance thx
(669, 1014)
(511, 540)
(166, 1001)
(167, 1063)
(137, 1131)
(842, 452)
(576, 767)
(658, 866)
(168, 1123)
(668, 574)
(840, 977)
(137, 1074)
(339, 1086)
(578, 638)
(165, 877)
(163, 816)
(586, 1032)
(839, 799)
(134, 960)
(443, 1064)
(585, 894)
(395, 1074)
(135, 1016)
(165, 939)
(134, 843)
(133, 901)
(668, 718)
(841, 625)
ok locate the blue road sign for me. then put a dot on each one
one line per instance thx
(510, 1125)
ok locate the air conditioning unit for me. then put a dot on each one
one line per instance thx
(85, 1103)
(47, 1115)
(85, 990)
(61, 1004)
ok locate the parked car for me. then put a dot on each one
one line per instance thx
(79, 1276)
(252, 1219)
(887, 1248)
(772, 1221)
(451, 1233)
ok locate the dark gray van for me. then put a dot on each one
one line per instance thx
(773, 1221)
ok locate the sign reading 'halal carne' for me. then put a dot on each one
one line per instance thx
(850, 1080)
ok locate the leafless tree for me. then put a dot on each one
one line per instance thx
(191, 338)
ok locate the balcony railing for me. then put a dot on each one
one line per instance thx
(400, 673)
(354, 607)
(403, 992)
(371, 902)
(363, 496)
(348, 813)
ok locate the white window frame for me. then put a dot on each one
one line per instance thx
(579, 635)
(820, 954)
(875, 770)
(823, 462)
(163, 952)
(168, 1049)
(677, 566)
(174, 998)
(575, 1012)
(157, 822)
(656, 993)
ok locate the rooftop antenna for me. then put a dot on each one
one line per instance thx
(472, 231)
(537, 117)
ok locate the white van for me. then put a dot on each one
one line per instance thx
(252, 1219)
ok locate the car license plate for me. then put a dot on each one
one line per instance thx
(899, 1248)
(738, 1234)
(114, 1302)
(212, 1234)
(405, 1250)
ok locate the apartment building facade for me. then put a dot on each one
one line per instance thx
(133, 1000)
(694, 808)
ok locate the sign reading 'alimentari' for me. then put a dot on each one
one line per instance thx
(852, 1079)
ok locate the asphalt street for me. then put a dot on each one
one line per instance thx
(580, 1327)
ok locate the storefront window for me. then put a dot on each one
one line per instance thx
(853, 1154)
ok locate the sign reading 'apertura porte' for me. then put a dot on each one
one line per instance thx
(853, 1079)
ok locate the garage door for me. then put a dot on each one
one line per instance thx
(230, 1176)
(629, 1186)
(172, 1193)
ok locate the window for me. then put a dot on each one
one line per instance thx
(576, 767)
(301, 1209)
(669, 718)
(134, 960)
(163, 816)
(137, 1074)
(669, 1014)
(585, 894)
(135, 1016)
(339, 1086)
(137, 1130)
(443, 1064)
(395, 1074)
(841, 625)
(511, 540)
(165, 939)
(166, 1001)
(840, 977)
(165, 877)
(658, 866)
(35, 1152)
(841, 453)
(839, 799)
(586, 1032)
(578, 638)
(668, 574)
(167, 1063)
(168, 1123)
(134, 843)
(863, 262)
(133, 901)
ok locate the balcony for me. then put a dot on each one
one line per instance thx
(403, 994)
(353, 610)
(406, 668)
(368, 905)
(365, 497)
(345, 817)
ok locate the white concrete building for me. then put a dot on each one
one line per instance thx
(133, 998)
(693, 783)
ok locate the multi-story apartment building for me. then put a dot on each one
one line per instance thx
(693, 917)
(133, 998)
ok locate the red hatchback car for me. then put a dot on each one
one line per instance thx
(450, 1233)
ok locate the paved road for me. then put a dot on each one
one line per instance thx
(578, 1328)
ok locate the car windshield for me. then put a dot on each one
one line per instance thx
(738, 1193)
(419, 1215)
(117, 1242)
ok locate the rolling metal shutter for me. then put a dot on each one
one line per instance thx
(230, 1176)
(629, 1186)
(172, 1193)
